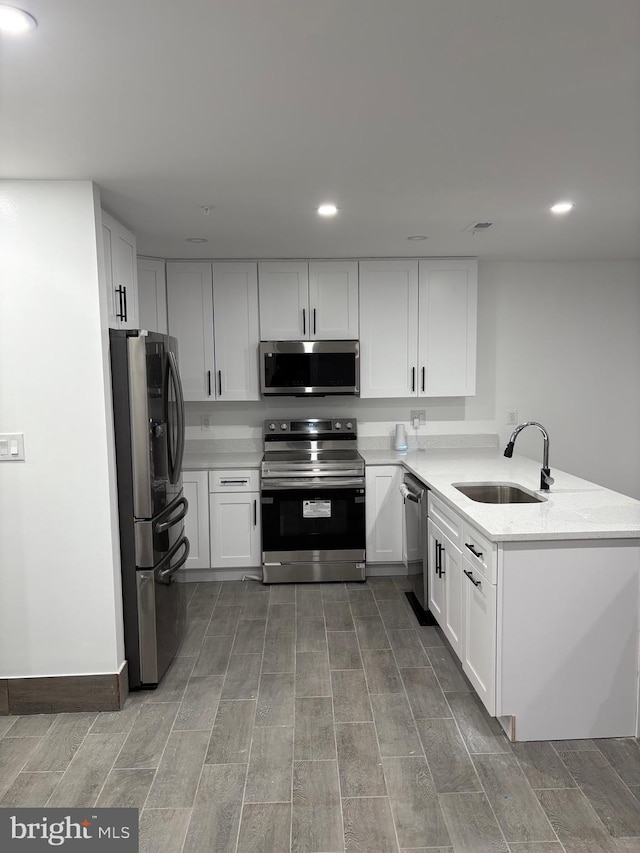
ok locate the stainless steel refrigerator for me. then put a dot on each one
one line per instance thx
(148, 410)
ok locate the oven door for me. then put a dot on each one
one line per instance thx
(313, 523)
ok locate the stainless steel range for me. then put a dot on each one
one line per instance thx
(313, 502)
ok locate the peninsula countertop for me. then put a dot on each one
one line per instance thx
(572, 509)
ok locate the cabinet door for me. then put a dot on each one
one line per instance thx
(333, 300)
(448, 319)
(454, 600)
(284, 301)
(383, 513)
(152, 295)
(196, 524)
(479, 649)
(388, 328)
(235, 530)
(120, 273)
(236, 331)
(190, 315)
(437, 589)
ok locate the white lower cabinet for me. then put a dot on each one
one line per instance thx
(383, 513)
(445, 585)
(479, 646)
(195, 485)
(234, 514)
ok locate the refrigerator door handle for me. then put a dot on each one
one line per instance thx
(176, 468)
(167, 520)
(165, 575)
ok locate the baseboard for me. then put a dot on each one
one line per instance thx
(65, 693)
(379, 570)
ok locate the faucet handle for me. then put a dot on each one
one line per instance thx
(546, 479)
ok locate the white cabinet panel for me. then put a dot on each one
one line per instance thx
(190, 311)
(235, 530)
(152, 295)
(120, 273)
(196, 491)
(388, 328)
(383, 513)
(236, 331)
(333, 300)
(447, 300)
(454, 626)
(437, 589)
(479, 652)
(284, 301)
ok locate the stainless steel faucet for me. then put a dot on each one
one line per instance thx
(546, 479)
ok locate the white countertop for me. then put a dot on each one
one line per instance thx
(215, 460)
(573, 509)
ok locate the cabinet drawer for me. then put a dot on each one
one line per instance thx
(446, 519)
(480, 552)
(235, 480)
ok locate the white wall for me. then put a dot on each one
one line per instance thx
(558, 341)
(60, 590)
(567, 354)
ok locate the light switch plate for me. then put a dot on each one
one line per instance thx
(11, 447)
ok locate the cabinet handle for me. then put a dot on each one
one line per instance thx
(120, 314)
(470, 576)
(125, 303)
(439, 549)
(475, 553)
(413, 379)
(314, 321)
(423, 380)
(234, 482)
(255, 513)
(219, 383)
(209, 381)
(304, 321)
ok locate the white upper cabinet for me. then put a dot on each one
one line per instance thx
(190, 312)
(120, 273)
(308, 301)
(333, 300)
(448, 299)
(388, 328)
(418, 328)
(152, 295)
(236, 330)
(213, 312)
(284, 301)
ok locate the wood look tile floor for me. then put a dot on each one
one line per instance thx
(322, 718)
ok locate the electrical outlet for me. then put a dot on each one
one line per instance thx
(207, 426)
(512, 417)
(419, 414)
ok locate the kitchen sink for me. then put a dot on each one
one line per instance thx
(497, 493)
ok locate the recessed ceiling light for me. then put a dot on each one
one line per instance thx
(561, 207)
(15, 21)
(196, 240)
(417, 237)
(327, 210)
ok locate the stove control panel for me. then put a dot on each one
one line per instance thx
(311, 427)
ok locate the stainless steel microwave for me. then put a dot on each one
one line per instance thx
(309, 368)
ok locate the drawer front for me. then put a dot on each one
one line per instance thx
(480, 552)
(446, 519)
(235, 480)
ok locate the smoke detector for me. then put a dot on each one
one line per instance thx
(478, 226)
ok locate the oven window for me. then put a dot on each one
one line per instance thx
(322, 520)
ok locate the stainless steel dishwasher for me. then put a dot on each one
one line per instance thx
(415, 554)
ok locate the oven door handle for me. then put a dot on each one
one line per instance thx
(336, 474)
(315, 484)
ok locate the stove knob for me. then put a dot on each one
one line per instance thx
(338, 425)
(272, 426)
(283, 427)
(349, 425)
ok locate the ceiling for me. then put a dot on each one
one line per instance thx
(416, 117)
